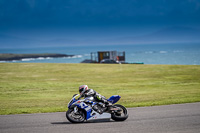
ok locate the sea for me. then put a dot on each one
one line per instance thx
(173, 53)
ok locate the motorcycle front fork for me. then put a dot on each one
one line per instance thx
(75, 109)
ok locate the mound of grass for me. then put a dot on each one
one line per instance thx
(35, 87)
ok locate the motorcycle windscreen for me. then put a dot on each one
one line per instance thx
(114, 99)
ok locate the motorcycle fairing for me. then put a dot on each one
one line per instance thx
(90, 113)
(87, 108)
(99, 116)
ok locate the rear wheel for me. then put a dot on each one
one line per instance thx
(77, 117)
(120, 114)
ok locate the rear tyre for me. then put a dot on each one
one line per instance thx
(77, 117)
(120, 115)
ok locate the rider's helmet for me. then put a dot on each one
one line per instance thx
(83, 89)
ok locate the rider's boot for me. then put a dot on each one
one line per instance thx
(106, 102)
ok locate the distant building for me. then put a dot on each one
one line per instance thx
(112, 55)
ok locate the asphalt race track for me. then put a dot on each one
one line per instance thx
(180, 118)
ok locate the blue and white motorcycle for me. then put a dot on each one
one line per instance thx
(82, 110)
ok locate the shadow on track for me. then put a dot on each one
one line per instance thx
(60, 123)
(91, 121)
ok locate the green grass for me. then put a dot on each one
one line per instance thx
(35, 88)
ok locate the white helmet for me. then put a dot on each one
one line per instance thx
(83, 89)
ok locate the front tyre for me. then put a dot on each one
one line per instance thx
(121, 114)
(77, 117)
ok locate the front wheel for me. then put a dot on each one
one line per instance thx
(77, 117)
(120, 114)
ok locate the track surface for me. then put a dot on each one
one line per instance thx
(180, 118)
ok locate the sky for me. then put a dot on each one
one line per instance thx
(49, 23)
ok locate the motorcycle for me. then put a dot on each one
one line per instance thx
(83, 110)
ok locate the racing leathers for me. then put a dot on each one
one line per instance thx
(97, 97)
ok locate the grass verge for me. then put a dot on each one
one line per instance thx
(36, 88)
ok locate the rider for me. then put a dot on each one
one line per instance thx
(86, 92)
